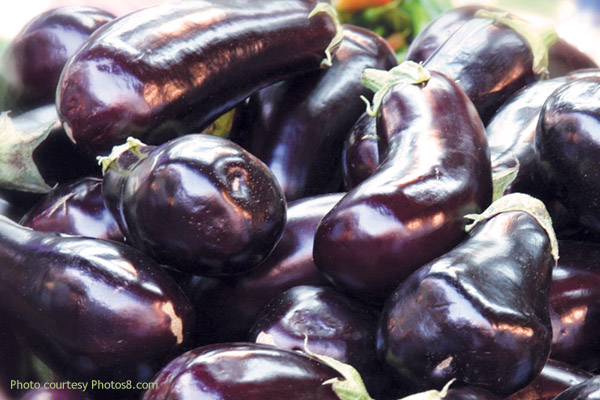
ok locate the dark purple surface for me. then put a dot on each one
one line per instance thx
(298, 127)
(360, 157)
(229, 307)
(479, 313)
(169, 70)
(587, 390)
(35, 58)
(90, 308)
(243, 371)
(77, 209)
(436, 170)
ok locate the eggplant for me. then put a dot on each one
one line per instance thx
(243, 371)
(567, 148)
(76, 209)
(411, 210)
(332, 324)
(14, 361)
(575, 305)
(360, 156)
(91, 308)
(479, 313)
(32, 62)
(587, 390)
(230, 306)
(298, 127)
(169, 70)
(200, 204)
(556, 377)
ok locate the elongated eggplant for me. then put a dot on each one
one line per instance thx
(556, 377)
(169, 70)
(91, 308)
(198, 203)
(587, 390)
(76, 209)
(34, 59)
(360, 156)
(332, 323)
(411, 210)
(491, 56)
(479, 313)
(567, 148)
(230, 306)
(298, 127)
(243, 371)
(575, 305)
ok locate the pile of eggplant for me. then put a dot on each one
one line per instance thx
(223, 199)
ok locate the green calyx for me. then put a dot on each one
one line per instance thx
(131, 145)
(380, 81)
(540, 39)
(519, 202)
(339, 33)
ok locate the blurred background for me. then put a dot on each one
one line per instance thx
(576, 21)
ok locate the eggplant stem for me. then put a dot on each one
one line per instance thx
(339, 33)
(132, 144)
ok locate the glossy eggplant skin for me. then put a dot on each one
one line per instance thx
(479, 313)
(246, 371)
(230, 306)
(171, 69)
(299, 125)
(34, 59)
(91, 308)
(360, 156)
(76, 209)
(556, 376)
(575, 305)
(202, 204)
(333, 324)
(56, 157)
(587, 390)
(567, 148)
(411, 210)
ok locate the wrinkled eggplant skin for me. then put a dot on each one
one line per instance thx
(299, 126)
(575, 305)
(412, 209)
(76, 209)
(556, 376)
(204, 205)
(567, 148)
(91, 308)
(231, 306)
(246, 371)
(478, 314)
(57, 158)
(333, 324)
(587, 390)
(34, 59)
(360, 156)
(171, 69)
(488, 61)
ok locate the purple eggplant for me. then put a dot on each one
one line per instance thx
(243, 371)
(575, 305)
(479, 313)
(14, 361)
(556, 376)
(171, 69)
(332, 324)
(586, 390)
(567, 147)
(34, 59)
(298, 127)
(77, 209)
(199, 203)
(411, 210)
(91, 308)
(360, 156)
(230, 306)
